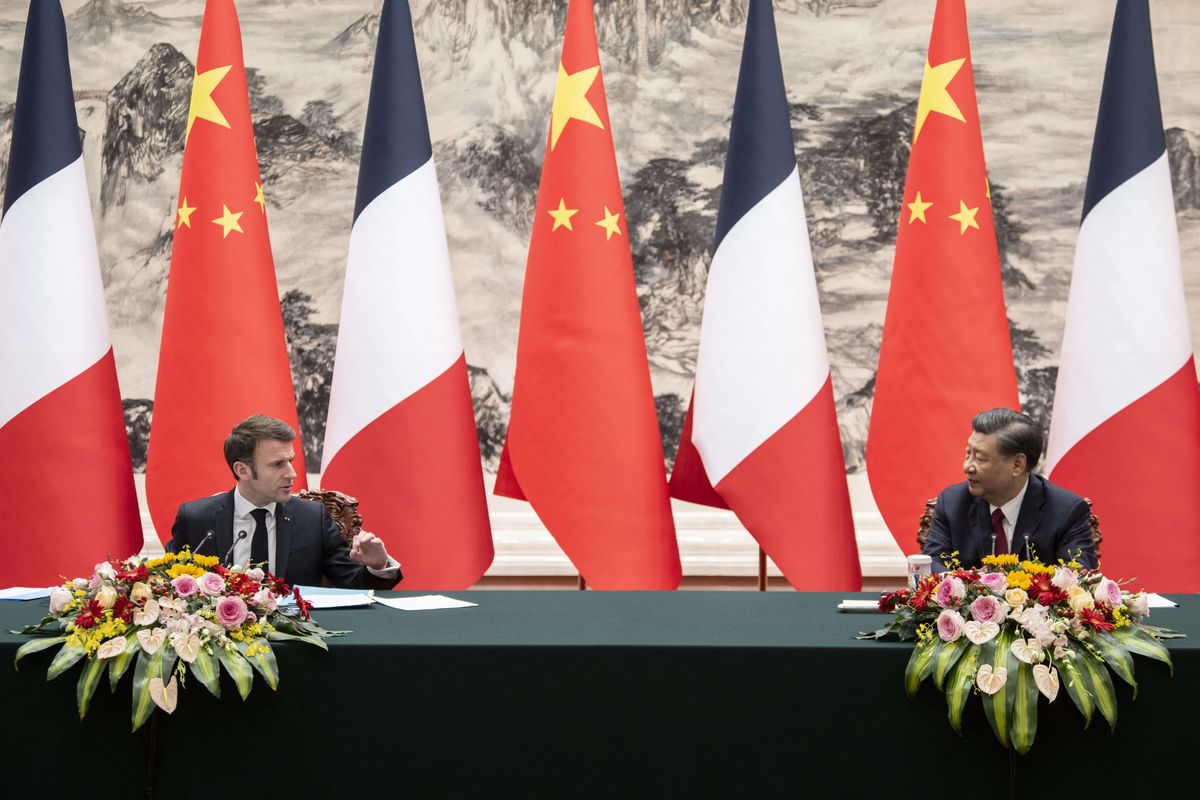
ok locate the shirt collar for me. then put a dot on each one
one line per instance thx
(1013, 507)
(242, 507)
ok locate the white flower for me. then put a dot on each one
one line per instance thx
(1139, 606)
(105, 570)
(1046, 680)
(80, 583)
(1079, 598)
(140, 592)
(60, 598)
(150, 641)
(147, 614)
(1027, 650)
(113, 647)
(1064, 578)
(981, 632)
(255, 574)
(991, 681)
(106, 596)
(188, 647)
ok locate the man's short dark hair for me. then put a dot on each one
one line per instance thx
(1015, 433)
(242, 441)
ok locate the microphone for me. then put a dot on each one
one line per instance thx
(241, 535)
(993, 543)
(1028, 552)
(207, 535)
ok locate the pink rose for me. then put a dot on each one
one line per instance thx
(986, 608)
(950, 591)
(950, 625)
(231, 611)
(185, 586)
(212, 584)
(1107, 591)
(994, 581)
(264, 599)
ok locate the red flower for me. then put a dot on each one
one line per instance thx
(91, 614)
(889, 601)
(1094, 619)
(123, 609)
(966, 575)
(301, 603)
(134, 575)
(1045, 592)
(925, 590)
(242, 584)
(276, 585)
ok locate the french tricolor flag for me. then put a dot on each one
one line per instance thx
(1126, 425)
(761, 437)
(67, 480)
(401, 429)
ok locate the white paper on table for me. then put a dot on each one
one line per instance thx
(23, 593)
(859, 606)
(426, 602)
(1158, 601)
(327, 597)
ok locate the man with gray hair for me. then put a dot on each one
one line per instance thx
(1002, 507)
(258, 522)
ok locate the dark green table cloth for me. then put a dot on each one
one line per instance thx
(588, 694)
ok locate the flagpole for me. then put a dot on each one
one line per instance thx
(762, 570)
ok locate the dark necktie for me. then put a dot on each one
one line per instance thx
(259, 554)
(998, 529)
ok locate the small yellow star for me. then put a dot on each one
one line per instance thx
(934, 95)
(228, 221)
(965, 217)
(258, 197)
(917, 209)
(562, 215)
(202, 105)
(570, 101)
(609, 223)
(185, 213)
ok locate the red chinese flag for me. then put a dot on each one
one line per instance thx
(583, 440)
(223, 354)
(946, 353)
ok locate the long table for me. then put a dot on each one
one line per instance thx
(587, 694)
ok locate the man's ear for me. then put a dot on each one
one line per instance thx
(1020, 463)
(241, 470)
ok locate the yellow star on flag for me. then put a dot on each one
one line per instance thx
(609, 223)
(965, 217)
(935, 96)
(917, 209)
(228, 221)
(185, 213)
(202, 105)
(562, 215)
(570, 101)
(258, 197)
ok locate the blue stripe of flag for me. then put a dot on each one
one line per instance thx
(1129, 129)
(45, 136)
(761, 152)
(396, 140)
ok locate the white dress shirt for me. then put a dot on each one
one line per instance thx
(1011, 510)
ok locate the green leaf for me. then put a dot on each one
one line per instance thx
(920, 663)
(121, 662)
(280, 636)
(1116, 656)
(207, 670)
(148, 666)
(64, 660)
(37, 645)
(89, 679)
(1102, 687)
(1024, 718)
(998, 707)
(947, 657)
(1143, 643)
(264, 662)
(958, 686)
(238, 668)
(1078, 684)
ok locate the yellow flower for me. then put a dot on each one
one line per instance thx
(163, 560)
(1005, 560)
(1018, 579)
(1016, 597)
(1120, 617)
(1034, 568)
(206, 561)
(186, 569)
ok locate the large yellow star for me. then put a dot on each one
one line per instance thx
(570, 101)
(609, 223)
(203, 106)
(917, 209)
(562, 215)
(185, 213)
(228, 221)
(965, 217)
(934, 95)
(258, 197)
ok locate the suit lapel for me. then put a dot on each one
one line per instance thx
(283, 538)
(981, 532)
(222, 524)
(1030, 514)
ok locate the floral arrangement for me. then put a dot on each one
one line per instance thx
(178, 613)
(1015, 630)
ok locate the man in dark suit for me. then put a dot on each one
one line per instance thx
(258, 522)
(1002, 507)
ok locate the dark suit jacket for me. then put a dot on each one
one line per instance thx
(1056, 521)
(308, 543)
